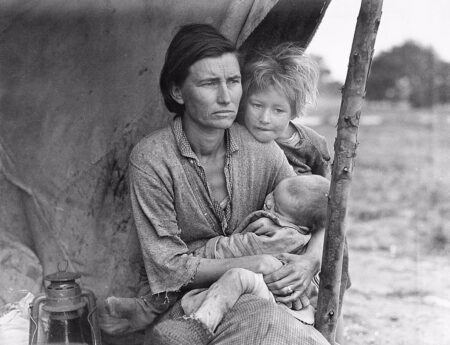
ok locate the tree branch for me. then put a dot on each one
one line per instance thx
(345, 151)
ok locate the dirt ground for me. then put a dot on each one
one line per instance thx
(398, 225)
(397, 300)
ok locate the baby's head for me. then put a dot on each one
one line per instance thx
(277, 85)
(301, 200)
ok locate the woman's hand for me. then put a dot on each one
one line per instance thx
(262, 227)
(292, 279)
(268, 264)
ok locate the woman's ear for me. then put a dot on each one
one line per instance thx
(176, 94)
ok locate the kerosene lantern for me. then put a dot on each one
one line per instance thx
(64, 314)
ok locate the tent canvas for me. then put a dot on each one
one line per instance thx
(78, 88)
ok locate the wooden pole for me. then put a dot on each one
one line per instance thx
(345, 151)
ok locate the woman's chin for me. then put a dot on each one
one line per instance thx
(224, 121)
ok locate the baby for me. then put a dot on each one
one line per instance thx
(298, 203)
(296, 208)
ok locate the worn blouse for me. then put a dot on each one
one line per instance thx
(308, 153)
(172, 205)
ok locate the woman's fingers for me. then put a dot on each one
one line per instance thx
(286, 257)
(279, 274)
(279, 281)
(304, 300)
(297, 304)
(286, 275)
(298, 299)
(295, 275)
(254, 227)
(262, 226)
(286, 287)
(290, 298)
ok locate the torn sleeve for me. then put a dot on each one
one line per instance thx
(167, 262)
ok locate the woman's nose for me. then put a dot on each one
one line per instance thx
(223, 96)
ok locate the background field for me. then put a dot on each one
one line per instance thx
(398, 223)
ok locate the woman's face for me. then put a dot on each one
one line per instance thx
(267, 114)
(211, 92)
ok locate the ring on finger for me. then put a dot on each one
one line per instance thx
(289, 290)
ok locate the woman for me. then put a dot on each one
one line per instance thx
(197, 179)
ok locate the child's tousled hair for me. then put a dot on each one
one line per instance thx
(286, 68)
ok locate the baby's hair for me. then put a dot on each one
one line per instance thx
(287, 68)
(309, 195)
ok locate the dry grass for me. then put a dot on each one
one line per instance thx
(400, 194)
(398, 226)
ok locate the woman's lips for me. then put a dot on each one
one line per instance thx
(224, 112)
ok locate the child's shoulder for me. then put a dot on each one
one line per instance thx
(314, 138)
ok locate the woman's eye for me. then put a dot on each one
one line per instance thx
(210, 82)
(257, 105)
(279, 111)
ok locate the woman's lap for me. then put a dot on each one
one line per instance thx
(251, 321)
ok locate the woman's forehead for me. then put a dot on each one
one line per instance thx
(224, 65)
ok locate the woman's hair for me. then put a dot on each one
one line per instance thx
(190, 44)
(287, 69)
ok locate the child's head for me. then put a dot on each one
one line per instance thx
(277, 86)
(301, 200)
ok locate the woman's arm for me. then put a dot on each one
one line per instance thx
(261, 236)
(298, 270)
(210, 270)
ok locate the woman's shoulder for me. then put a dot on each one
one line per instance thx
(158, 143)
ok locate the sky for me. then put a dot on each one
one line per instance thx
(424, 21)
